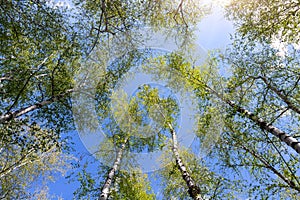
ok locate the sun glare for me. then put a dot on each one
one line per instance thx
(221, 3)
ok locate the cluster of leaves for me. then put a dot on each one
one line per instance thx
(132, 185)
(43, 47)
(266, 19)
(38, 58)
(40, 52)
(269, 163)
(28, 153)
(117, 17)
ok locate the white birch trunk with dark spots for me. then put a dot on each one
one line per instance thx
(111, 174)
(11, 115)
(288, 139)
(194, 190)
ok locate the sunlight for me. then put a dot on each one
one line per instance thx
(221, 3)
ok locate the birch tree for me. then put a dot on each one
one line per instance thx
(110, 178)
(209, 88)
(118, 175)
(184, 177)
(193, 78)
(270, 173)
(151, 98)
(265, 61)
(46, 61)
(265, 79)
(213, 185)
(41, 53)
(126, 132)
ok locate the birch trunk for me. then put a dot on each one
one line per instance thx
(11, 115)
(288, 139)
(110, 176)
(194, 190)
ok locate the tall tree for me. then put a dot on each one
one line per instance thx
(209, 87)
(194, 78)
(125, 123)
(264, 57)
(133, 134)
(167, 108)
(47, 61)
(38, 57)
(42, 48)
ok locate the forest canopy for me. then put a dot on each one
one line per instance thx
(117, 99)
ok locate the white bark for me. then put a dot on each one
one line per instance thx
(106, 187)
(22, 111)
(23, 161)
(288, 139)
(194, 190)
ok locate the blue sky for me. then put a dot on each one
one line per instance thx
(214, 32)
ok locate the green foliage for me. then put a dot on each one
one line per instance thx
(162, 110)
(223, 149)
(210, 126)
(116, 17)
(40, 54)
(131, 185)
(246, 150)
(266, 19)
(179, 73)
(265, 64)
(43, 46)
(87, 182)
(263, 77)
(29, 154)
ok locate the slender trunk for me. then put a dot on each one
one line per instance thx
(288, 139)
(110, 176)
(194, 190)
(11, 115)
